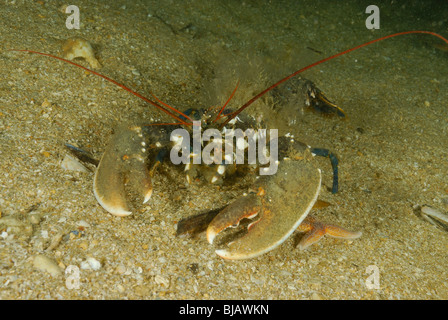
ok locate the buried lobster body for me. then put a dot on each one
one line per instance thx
(220, 144)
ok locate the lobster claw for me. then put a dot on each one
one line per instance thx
(122, 175)
(281, 204)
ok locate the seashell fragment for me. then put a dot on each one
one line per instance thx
(80, 48)
(72, 164)
(91, 264)
(435, 217)
(45, 264)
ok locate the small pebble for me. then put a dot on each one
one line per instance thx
(46, 264)
(84, 245)
(91, 264)
(161, 280)
(121, 269)
(83, 223)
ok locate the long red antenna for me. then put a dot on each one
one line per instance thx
(120, 85)
(248, 103)
(225, 104)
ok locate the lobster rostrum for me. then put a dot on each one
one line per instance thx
(123, 175)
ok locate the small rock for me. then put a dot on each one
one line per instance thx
(83, 223)
(46, 264)
(121, 269)
(161, 280)
(84, 245)
(91, 264)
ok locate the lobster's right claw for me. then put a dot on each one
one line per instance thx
(122, 175)
(282, 202)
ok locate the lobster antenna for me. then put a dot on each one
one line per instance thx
(234, 114)
(225, 104)
(118, 84)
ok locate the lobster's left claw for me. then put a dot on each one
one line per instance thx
(282, 202)
(123, 173)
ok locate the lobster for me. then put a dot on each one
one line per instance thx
(279, 200)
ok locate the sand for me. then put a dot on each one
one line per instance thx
(391, 149)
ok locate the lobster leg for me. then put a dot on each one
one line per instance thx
(317, 101)
(334, 164)
(315, 230)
